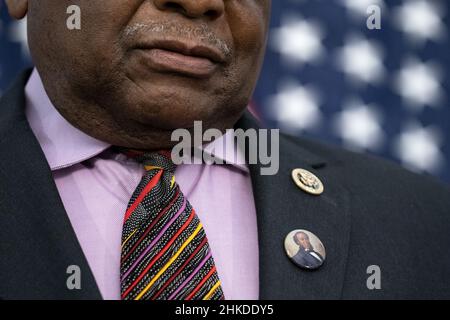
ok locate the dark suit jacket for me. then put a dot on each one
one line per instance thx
(371, 213)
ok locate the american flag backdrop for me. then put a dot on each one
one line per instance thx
(327, 75)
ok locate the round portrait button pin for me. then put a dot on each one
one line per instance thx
(307, 181)
(305, 249)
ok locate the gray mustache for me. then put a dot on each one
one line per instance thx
(201, 33)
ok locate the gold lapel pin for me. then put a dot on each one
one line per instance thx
(307, 181)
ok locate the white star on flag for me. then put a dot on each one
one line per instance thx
(298, 40)
(296, 107)
(420, 20)
(418, 148)
(359, 126)
(419, 84)
(361, 60)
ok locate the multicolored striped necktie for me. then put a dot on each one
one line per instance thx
(165, 252)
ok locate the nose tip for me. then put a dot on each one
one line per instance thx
(209, 9)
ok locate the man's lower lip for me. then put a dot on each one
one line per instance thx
(168, 61)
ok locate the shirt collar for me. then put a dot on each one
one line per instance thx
(64, 145)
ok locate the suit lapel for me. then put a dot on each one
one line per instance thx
(40, 241)
(282, 207)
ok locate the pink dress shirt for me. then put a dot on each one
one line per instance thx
(95, 186)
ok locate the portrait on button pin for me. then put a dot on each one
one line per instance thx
(305, 249)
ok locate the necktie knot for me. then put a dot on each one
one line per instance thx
(154, 160)
(158, 160)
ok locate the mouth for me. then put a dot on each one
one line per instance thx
(180, 57)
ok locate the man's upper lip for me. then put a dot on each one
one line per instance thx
(184, 47)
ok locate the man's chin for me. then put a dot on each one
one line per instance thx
(169, 117)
